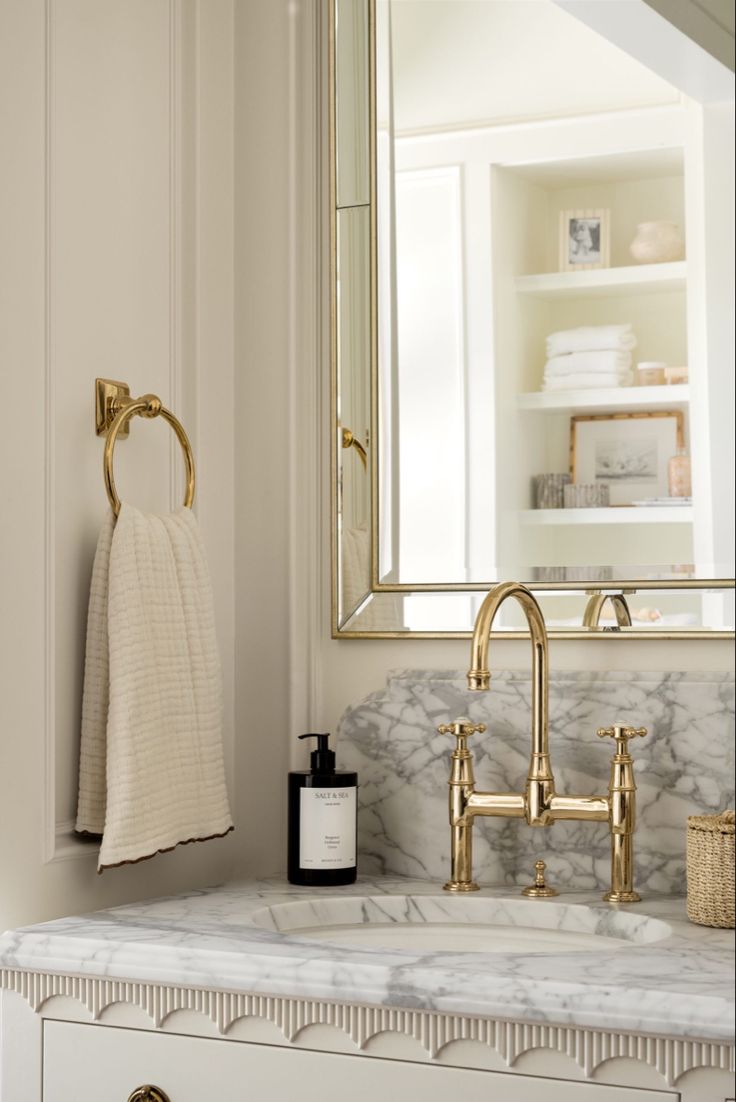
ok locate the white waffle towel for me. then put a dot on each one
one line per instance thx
(151, 769)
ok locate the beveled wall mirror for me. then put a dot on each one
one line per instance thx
(522, 216)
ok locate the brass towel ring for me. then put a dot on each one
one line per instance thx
(146, 406)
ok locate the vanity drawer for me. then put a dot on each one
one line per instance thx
(93, 1063)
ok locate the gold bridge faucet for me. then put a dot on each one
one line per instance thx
(539, 804)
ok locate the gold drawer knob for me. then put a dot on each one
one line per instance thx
(149, 1093)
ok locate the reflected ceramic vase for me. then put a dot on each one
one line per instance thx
(657, 243)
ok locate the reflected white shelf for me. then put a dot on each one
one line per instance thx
(623, 514)
(635, 279)
(611, 399)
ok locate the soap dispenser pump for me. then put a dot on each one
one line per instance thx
(323, 818)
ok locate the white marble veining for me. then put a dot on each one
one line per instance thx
(685, 766)
(228, 939)
(461, 924)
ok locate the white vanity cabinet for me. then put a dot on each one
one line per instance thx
(84, 1063)
(57, 1054)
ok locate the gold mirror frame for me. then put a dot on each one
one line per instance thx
(345, 442)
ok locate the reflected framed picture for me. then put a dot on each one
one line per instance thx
(585, 240)
(629, 451)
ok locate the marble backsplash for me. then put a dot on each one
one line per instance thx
(684, 766)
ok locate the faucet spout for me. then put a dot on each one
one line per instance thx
(540, 788)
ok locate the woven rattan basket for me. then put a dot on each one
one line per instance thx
(710, 869)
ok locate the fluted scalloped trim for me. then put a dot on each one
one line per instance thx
(589, 1048)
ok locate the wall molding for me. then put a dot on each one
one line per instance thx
(68, 846)
(49, 786)
(176, 213)
(671, 1057)
(308, 352)
(207, 305)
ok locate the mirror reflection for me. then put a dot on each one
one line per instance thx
(550, 388)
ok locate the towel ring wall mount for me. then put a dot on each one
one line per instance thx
(114, 408)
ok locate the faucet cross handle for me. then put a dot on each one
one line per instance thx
(622, 735)
(461, 728)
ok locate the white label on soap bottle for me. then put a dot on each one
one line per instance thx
(327, 828)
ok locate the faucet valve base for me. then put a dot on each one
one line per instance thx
(461, 886)
(622, 897)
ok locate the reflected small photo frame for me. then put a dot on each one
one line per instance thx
(585, 239)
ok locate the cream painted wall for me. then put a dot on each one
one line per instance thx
(116, 125)
(264, 46)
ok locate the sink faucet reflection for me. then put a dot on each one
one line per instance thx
(594, 608)
(539, 804)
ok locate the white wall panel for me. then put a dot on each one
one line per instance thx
(100, 276)
(111, 310)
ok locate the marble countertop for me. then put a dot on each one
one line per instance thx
(681, 986)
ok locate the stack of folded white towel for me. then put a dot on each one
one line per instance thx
(593, 356)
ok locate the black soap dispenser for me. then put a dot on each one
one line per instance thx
(323, 821)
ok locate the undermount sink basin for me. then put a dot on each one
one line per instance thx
(460, 924)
